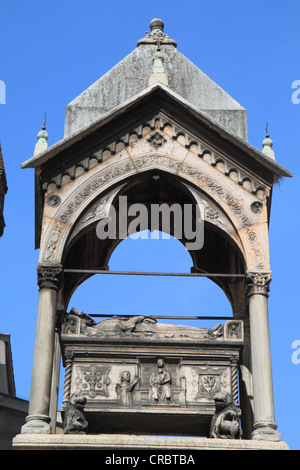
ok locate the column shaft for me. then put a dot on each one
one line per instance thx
(264, 427)
(38, 419)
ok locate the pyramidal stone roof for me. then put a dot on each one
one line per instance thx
(156, 55)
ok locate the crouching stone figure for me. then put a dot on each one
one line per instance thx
(74, 421)
(225, 423)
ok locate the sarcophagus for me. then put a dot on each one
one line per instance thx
(141, 376)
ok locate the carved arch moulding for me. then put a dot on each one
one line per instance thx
(61, 218)
(157, 131)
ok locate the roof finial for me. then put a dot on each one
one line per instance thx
(157, 27)
(267, 144)
(157, 35)
(42, 136)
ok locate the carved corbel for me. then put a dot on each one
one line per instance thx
(258, 283)
(49, 276)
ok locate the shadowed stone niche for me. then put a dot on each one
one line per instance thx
(141, 376)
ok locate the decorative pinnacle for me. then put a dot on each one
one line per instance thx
(267, 144)
(42, 136)
(157, 35)
(157, 24)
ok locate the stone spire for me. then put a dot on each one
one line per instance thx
(42, 136)
(267, 144)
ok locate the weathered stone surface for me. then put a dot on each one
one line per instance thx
(225, 423)
(131, 76)
(74, 421)
(146, 329)
(131, 442)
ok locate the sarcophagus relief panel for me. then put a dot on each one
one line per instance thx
(92, 380)
(205, 381)
(105, 382)
(136, 372)
(146, 384)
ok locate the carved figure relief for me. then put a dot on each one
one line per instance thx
(160, 383)
(225, 423)
(122, 326)
(234, 330)
(114, 364)
(74, 421)
(126, 388)
(146, 327)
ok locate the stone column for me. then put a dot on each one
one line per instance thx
(55, 382)
(264, 427)
(38, 420)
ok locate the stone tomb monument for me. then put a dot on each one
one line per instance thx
(153, 129)
(167, 387)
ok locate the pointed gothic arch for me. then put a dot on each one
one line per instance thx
(139, 189)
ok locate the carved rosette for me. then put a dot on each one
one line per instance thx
(258, 283)
(93, 380)
(157, 140)
(49, 276)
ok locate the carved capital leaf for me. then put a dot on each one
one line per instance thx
(49, 276)
(258, 283)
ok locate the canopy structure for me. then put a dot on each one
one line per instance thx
(155, 130)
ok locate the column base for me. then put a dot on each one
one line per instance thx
(37, 424)
(266, 432)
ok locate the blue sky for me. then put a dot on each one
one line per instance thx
(49, 54)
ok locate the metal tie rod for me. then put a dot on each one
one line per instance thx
(163, 317)
(146, 273)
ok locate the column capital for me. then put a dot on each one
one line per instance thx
(258, 282)
(49, 276)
